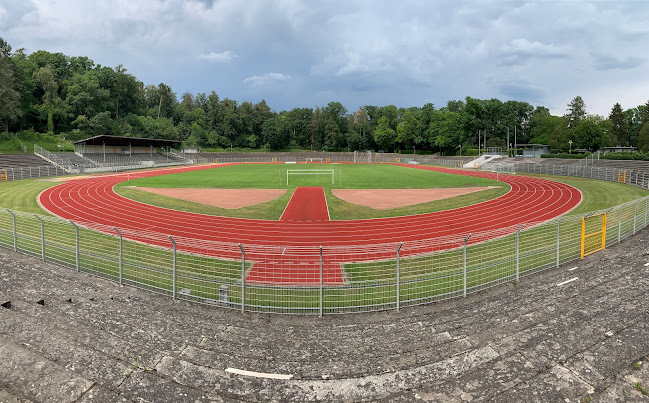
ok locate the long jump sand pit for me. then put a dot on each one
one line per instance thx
(223, 198)
(384, 199)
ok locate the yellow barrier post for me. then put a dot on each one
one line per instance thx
(621, 176)
(3, 175)
(585, 235)
(398, 160)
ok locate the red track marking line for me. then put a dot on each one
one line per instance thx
(306, 204)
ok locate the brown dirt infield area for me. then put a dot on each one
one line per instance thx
(223, 198)
(384, 199)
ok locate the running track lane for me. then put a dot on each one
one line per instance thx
(307, 204)
(93, 201)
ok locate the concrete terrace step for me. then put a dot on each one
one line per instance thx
(23, 372)
(534, 340)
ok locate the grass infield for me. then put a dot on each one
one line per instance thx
(346, 176)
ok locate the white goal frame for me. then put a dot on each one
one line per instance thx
(290, 172)
(319, 159)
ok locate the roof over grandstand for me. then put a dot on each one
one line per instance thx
(123, 141)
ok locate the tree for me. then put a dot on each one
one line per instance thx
(644, 113)
(542, 126)
(619, 132)
(85, 96)
(384, 135)
(274, 133)
(643, 138)
(408, 130)
(444, 131)
(559, 139)
(10, 107)
(591, 132)
(576, 111)
(337, 112)
(331, 134)
(51, 100)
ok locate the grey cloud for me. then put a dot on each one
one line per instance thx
(607, 62)
(355, 52)
(521, 50)
(520, 90)
(257, 81)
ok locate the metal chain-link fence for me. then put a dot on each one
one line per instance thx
(310, 280)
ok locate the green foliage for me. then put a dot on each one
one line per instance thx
(576, 111)
(643, 138)
(56, 93)
(619, 131)
(384, 135)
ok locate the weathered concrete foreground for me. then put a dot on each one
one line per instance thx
(94, 341)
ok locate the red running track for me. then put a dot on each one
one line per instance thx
(93, 201)
(307, 204)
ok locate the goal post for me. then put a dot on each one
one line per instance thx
(290, 172)
(314, 159)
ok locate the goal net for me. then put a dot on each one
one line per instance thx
(314, 159)
(327, 172)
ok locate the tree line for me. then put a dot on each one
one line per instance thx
(75, 98)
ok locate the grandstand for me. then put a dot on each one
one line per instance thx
(622, 164)
(111, 160)
(18, 161)
(25, 166)
(127, 152)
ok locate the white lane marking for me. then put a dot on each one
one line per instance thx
(574, 268)
(258, 374)
(646, 264)
(567, 281)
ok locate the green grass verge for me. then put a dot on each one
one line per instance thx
(22, 195)
(597, 194)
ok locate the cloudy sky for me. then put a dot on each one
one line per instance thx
(307, 53)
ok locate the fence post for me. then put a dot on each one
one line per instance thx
(42, 237)
(464, 265)
(320, 299)
(518, 253)
(398, 278)
(121, 266)
(243, 279)
(619, 225)
(558, 225)
(76, 245)
(175, 275)
(15, 234)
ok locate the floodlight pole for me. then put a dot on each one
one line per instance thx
(515, 144)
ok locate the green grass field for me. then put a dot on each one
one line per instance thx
(346, 176)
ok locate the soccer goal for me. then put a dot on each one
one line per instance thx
(314, 159)
(290, 172)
